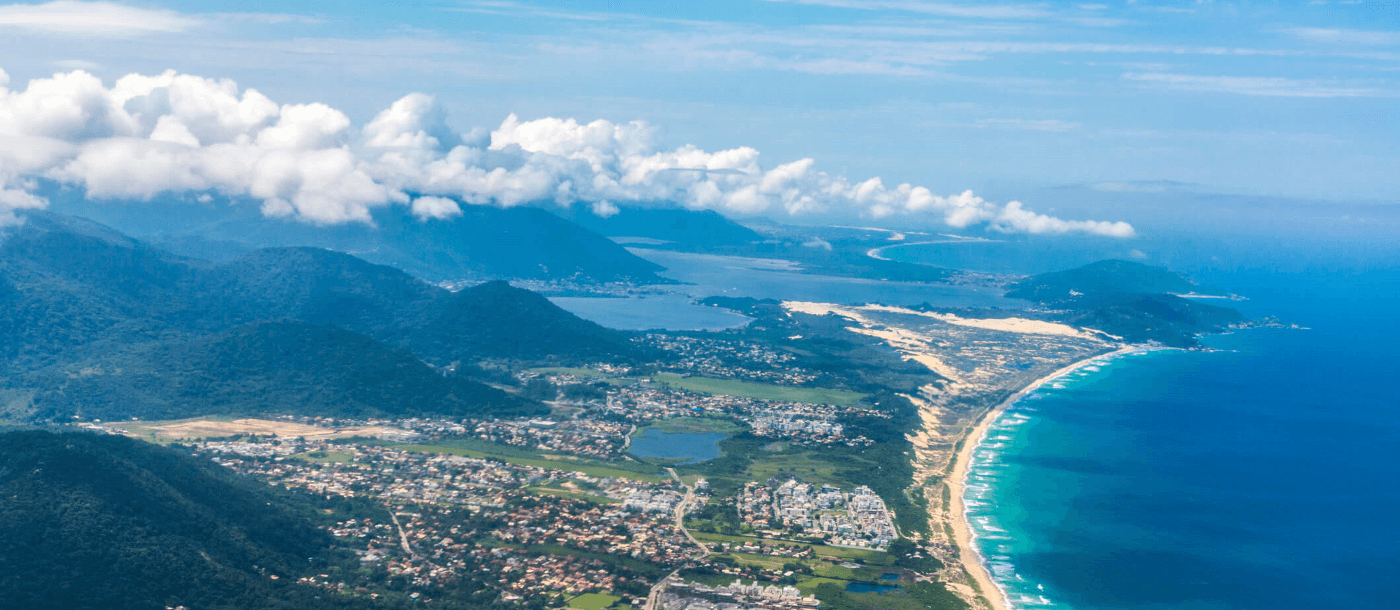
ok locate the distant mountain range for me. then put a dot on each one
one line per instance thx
(108, 522)
(690, 228)
(485, 242)
(99, 324)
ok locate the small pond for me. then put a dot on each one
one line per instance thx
(870, 587)
(889, 577)
(695, 446)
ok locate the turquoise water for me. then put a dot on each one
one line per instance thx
(692, 446)
(1261, 475)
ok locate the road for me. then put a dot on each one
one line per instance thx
(681, 510)
(403, 538)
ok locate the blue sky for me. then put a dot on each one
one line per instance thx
(1290, 98)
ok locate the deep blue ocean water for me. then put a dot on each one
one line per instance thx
(1265, 474)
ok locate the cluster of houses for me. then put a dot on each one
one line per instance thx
(652, 501)
(679, 595)
(591, 438)
(857, 518)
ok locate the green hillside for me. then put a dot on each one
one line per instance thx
(105, 522)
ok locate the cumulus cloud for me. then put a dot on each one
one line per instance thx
(176, 133)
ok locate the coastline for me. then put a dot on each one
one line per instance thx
(968, 555)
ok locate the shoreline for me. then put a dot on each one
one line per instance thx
(968, 554)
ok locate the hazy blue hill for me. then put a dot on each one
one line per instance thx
(490, 320)
(106, 522)
(500, 320)
(1103, 277)
(327, 287)
(485, 242)
(695, 228)
(72, 284)
(1135, 301)
(272, 367)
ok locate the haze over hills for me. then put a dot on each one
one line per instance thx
(482, 242)
(98, 320)
(688, 228)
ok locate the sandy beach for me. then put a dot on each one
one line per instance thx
(962, 531)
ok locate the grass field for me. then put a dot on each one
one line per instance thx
(593, 601)
(694, 424)
(577, 495)
(868, 556)
(588, 469)
(327, 457)
(729, 387)
(568, 370)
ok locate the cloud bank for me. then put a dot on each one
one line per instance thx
(177, 133)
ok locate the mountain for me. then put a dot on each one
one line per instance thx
(484, 242)
(690, 228)
(271, 367)
(107, 522)
(496, 318)
(1135, 301)
(97, 321)
(1103, 277)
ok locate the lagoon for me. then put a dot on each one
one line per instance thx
(692, 446)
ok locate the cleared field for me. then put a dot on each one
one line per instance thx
(763, 391)
(593, 601)
(804, 466)
(224, 427)
(588, 469)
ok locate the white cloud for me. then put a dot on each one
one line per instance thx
(1029, 124)
(1259, 85)
(147, 135)
(440, 208)
(979, 10)
(93, 18)
(1346, 36)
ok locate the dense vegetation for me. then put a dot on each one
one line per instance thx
(107, 522)
(1135, 301)
(277, 367)
(96, 318)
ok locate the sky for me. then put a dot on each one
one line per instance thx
(779, 107)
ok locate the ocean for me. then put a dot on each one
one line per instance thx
(1262, 474)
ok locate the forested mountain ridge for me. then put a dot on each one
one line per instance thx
(93, 317)
(107, 522)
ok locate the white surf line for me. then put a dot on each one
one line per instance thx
(981, 429)
(877, 253)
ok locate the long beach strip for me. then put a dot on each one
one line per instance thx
(968, 554)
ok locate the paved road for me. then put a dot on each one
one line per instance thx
(681, 510)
